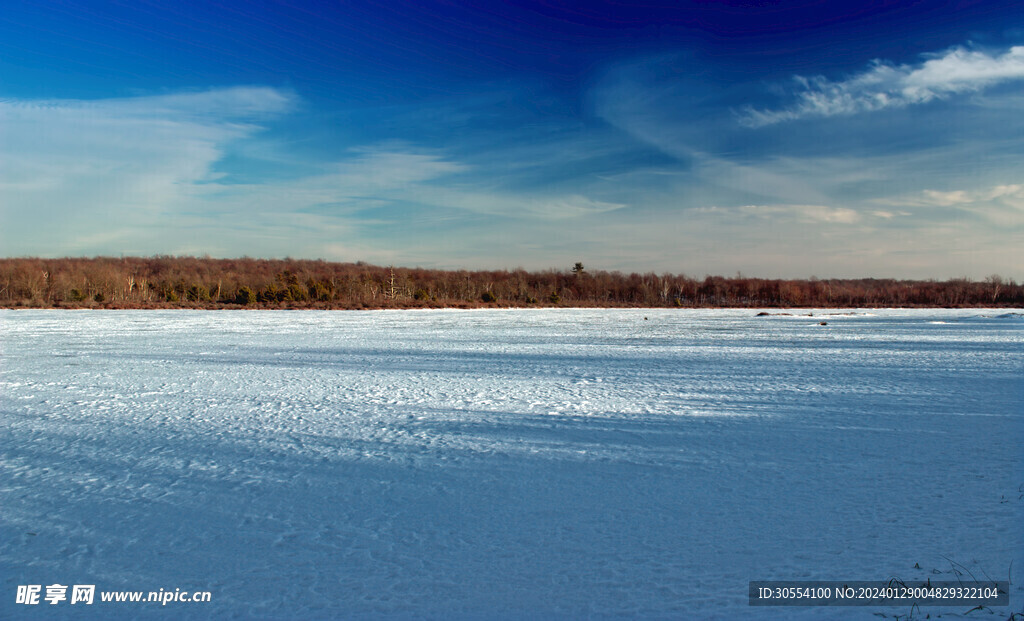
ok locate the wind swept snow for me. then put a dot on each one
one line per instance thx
(505, 463)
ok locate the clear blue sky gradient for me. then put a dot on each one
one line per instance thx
(773, 138)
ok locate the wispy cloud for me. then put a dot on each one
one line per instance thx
(217, 104)
(1012, 194)
(389, 167)
(1001, 205)
(807, 213)
(810, 214)
(555, 206)
(73, 172)
(174, 174)
(380, 176)
(886, 85)
(150, 174)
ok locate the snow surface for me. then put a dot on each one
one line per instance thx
(506, 463)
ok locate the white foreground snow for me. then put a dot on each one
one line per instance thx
(520, 464)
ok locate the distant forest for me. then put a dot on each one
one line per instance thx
(189, 282)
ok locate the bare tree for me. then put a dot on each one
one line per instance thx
(997, 284)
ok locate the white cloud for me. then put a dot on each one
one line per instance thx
(885, 85)
(806, 213)
(798, 241)
(219, 104)
(1001, 205)
(1010, 194)
(139, 175)
(888, 215)
(381, 176)
(513, 205)
(391, 167)
(809, 214)
(73, 172)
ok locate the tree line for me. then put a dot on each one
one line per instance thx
(191, 282)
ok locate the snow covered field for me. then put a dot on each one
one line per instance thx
(505, 463)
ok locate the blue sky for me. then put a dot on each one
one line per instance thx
(772, 138)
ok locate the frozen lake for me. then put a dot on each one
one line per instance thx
(505, 463)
